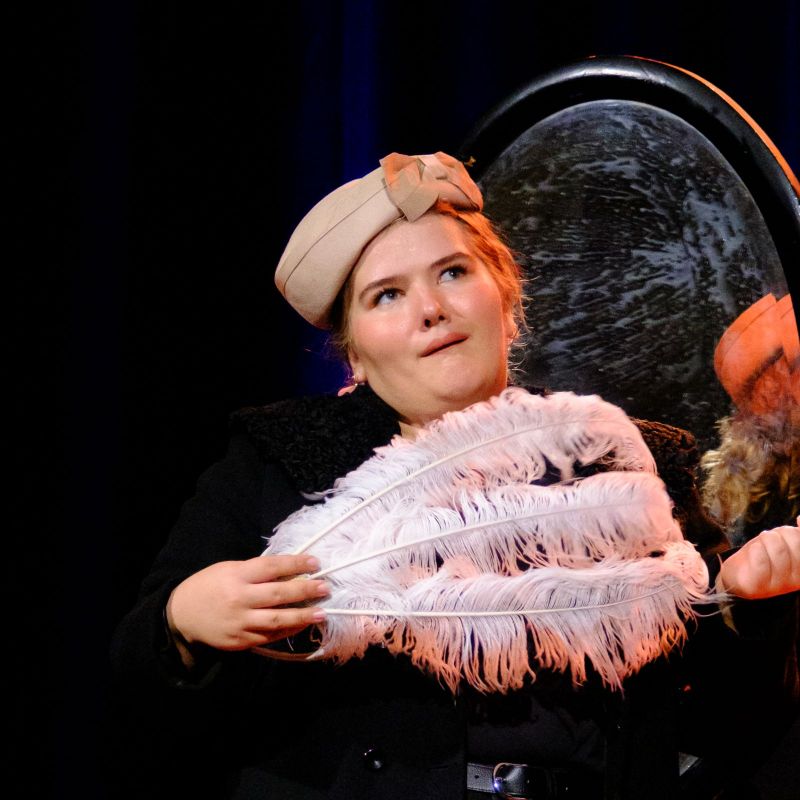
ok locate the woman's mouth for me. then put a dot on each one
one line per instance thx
(443, 343)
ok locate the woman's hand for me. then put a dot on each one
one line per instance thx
(236, 605)
(766, 566)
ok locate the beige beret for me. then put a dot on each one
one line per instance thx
(329, 240)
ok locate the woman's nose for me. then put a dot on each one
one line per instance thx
(433, 311)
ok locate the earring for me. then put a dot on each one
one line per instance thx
(350, 387)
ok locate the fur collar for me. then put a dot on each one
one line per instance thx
(319, 439)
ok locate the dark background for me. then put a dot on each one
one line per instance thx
(165, 153)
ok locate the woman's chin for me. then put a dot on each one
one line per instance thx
(420, 398)
(464, 375)
(458, 392)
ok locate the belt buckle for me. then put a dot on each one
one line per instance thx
(520, 781)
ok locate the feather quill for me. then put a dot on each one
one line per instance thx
(450, 550)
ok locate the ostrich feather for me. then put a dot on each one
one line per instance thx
(450, 549)
(505, 529)
(515, 437)
(489, 629)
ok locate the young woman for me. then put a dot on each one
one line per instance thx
(425, 302)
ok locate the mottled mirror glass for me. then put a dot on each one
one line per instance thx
(641, 246)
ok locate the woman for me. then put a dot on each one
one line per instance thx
(425, 302)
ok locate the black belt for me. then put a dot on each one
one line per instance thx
(506, 780)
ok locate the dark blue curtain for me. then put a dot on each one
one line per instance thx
(174, 147)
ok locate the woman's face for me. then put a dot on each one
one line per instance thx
(428, 327)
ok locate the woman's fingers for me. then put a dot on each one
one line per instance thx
(281, 580)
(285, 593)
(273, 568)
(257, 638)
(276, 635)
(298, 591)
(231, 604)
(766, 566)
(268, 621)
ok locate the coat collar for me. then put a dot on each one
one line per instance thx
(319, 439)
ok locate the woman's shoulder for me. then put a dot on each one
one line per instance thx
(677, 458)
(320, 438)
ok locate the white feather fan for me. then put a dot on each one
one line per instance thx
(444, 548)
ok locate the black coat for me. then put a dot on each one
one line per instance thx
(244, 726)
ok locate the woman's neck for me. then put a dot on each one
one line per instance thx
(409, 430)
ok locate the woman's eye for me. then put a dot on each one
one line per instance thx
(452, 273)
(385, 296)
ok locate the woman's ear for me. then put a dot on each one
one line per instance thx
(512, 329)
(356, 367)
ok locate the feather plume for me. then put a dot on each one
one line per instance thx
(450, 549)
(504, 529)
(488, 629)
(515, 437)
